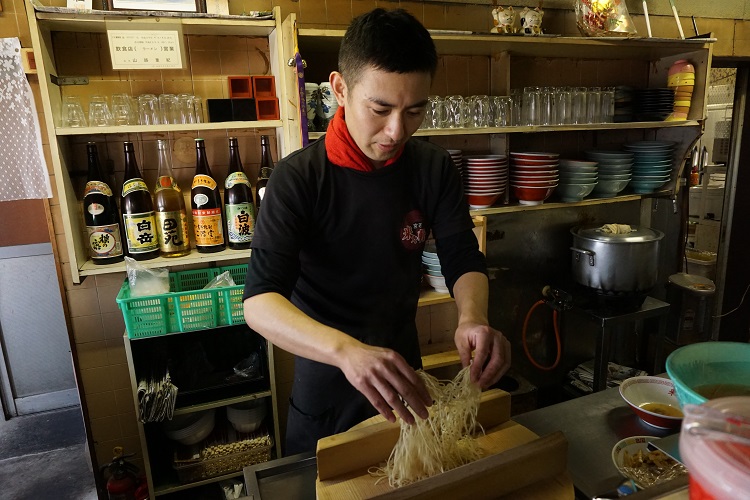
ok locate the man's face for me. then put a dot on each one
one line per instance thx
(383, 109)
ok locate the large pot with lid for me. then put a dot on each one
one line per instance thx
(616, 263)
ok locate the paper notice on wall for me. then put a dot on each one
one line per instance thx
(145, 49)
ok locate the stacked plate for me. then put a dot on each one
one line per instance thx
(577, 179)
(485, 177)
(432, 271)
(652, 165)
(533, 176)
(624, 97)
(458, 159)
(615, 171)
(653, 105)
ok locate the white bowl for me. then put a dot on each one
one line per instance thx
(437, 282)
(632, 446)
(654, 400)
(247, 416)
(190, 428)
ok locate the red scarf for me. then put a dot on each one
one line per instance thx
(343, 151)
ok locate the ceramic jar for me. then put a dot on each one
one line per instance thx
(681, 79)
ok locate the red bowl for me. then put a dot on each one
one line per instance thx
(483, 190)
(534, 183)
(480, 158)
(648, 397)
(486, 168)
(482, 200)
(486, 182)
(536, 194)
(540, 173)
(535, 155)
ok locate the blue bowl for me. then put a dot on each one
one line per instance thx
(708, 364)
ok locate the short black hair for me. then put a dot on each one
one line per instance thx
(388, 40)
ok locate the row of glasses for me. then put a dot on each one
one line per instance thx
(567, 105)
(146, 109)
(476, 111)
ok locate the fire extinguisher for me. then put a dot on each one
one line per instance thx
(122, 482)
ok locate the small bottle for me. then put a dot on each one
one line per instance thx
(171, 217)
(101, 214)
(266, 169)
(138, 211)
(205, 200)
(238, 202)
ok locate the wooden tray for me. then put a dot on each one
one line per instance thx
(517, 462)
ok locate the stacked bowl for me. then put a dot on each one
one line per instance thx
(533, 176)
(458, 159)
(247, 416)
(485, 177)
(577, 180)
(432, 271)
(652, 165)
(654, 105)
(681, 79)
(190, 428)
(615, 171)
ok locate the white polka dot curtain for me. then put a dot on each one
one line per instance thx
(23, 174)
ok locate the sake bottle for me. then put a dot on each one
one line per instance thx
(266, 169)
(171, 217)
(101, 214)
(138, 211)
(238, 202)
(205, 200)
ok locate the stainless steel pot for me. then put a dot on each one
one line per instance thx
(616, 262)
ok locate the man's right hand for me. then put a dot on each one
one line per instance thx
(387, 380)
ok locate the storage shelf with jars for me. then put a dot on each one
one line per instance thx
(72, 52)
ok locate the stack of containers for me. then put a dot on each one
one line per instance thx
(615, 171)
(485, 178)
(533, 176)
(457, 157)
(577, 180)
(652, 167)
(432, 270)
(681, 79)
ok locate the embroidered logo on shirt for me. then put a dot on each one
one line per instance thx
(413, 232)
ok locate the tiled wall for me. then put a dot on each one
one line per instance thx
(96, 322)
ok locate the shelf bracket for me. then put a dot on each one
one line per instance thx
(69, 80)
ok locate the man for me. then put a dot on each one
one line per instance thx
(335, 272)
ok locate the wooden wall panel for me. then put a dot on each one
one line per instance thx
(23, 222)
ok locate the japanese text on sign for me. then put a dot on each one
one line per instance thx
(141, 49)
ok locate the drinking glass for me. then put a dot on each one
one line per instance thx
(435, 116)
(579, 104)
(169, 109)
(547, 108)
(502, 111)
(608, 105)
(455, 110)
(122, 110)
(72, 113)
(516, 96)
(198, 108)
(532, 112)
(99, 113)
(563, 106)
(186, 112)
(594, 105)
(148, 109)
(479, 111)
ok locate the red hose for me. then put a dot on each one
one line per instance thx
(556, 323)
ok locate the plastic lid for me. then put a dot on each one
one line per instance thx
(693, 283)
(637, 235)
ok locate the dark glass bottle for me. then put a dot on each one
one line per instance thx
(138, 211)
(266, 169)
(205, 200)
(238, 202)
(101, 214)
(171, 217)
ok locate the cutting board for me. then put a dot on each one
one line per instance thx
(517, 463)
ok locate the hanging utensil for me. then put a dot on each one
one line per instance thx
(677, 19)
(648, 22)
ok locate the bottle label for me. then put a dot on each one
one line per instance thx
(205, 181)
(104, 241)
(208, 227)
(172, 231)
(96, 187)
(236, 178)
(261, 192)
(240, 222)
(95, 208)
(166, 182)
(140, 231)
(133, 185)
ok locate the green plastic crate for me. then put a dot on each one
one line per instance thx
(187, 306)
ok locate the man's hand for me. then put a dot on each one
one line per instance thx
(387, 380)
(491, 352)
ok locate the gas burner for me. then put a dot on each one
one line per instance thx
(608, 302)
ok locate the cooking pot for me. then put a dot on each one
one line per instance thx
(616, 263)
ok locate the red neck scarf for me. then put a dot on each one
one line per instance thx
(343, 151)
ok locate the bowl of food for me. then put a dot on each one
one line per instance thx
(653, 399)
(710, 370)
(644, 467)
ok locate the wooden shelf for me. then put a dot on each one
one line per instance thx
(165, 489)
(90, 269)
(503, 209)
(430, 297)
(134, 129)
(100, 22)
(313, 40)
(221, 402)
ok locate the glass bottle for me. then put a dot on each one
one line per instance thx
(101, 214)
(138, 211)
(238, 202)
(266, 169)
(205, 200)
(171, 217)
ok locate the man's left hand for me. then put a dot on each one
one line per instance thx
(491, 352)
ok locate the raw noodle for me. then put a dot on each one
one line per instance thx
(441, 442)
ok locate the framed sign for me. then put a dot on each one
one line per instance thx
(158, 5)
(145, 49)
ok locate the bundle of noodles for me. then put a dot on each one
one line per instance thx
(441, 442)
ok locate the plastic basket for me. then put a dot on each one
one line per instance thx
(187, 306)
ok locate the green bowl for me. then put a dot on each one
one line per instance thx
(708, 364)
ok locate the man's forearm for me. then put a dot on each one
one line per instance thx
(471, 292)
